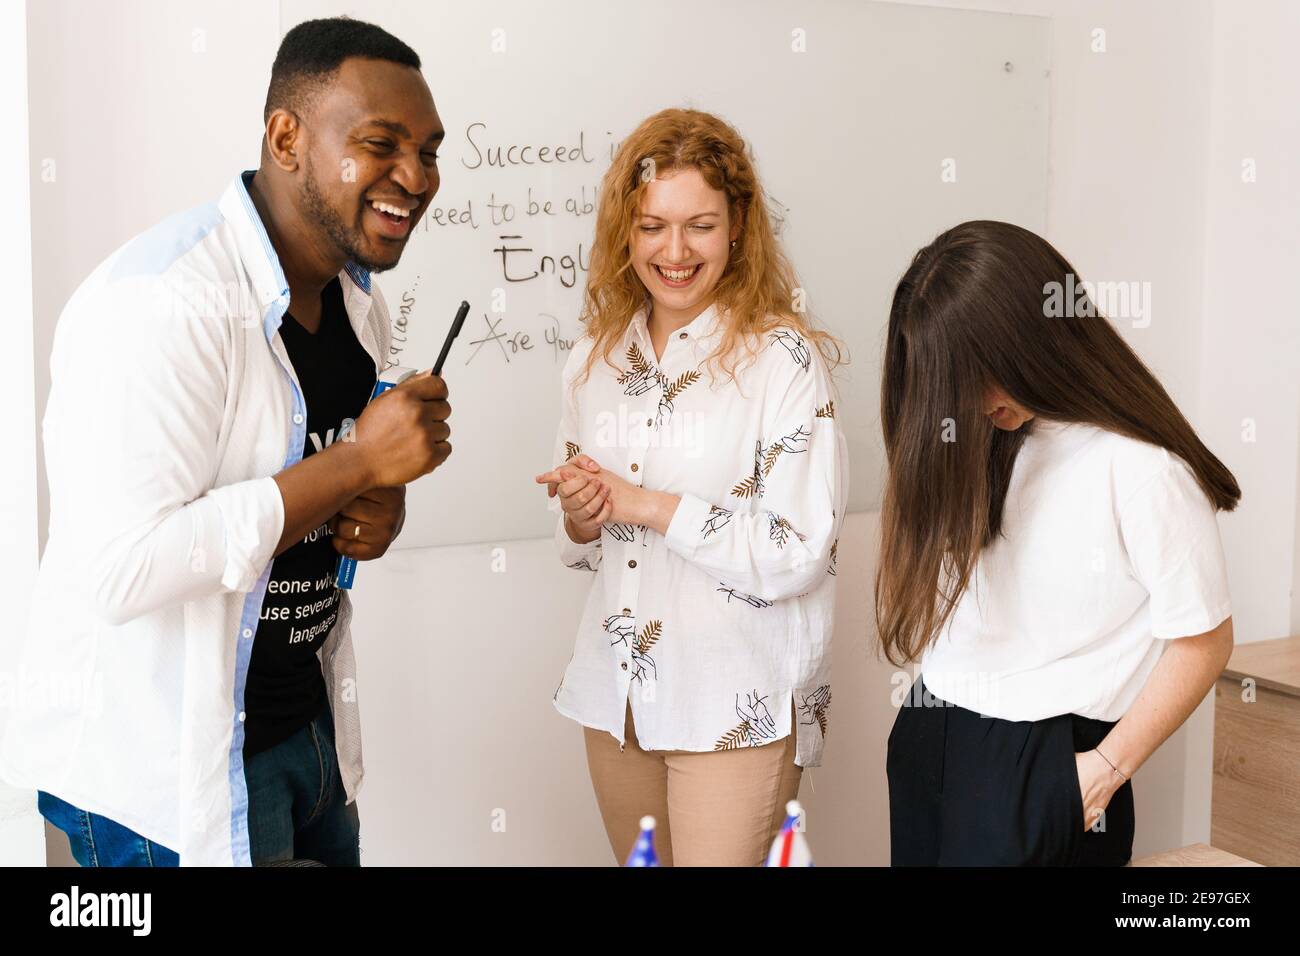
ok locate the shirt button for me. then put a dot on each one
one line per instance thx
(625, 665)
(627, 610)
(681, 335)
(297, 419)
(649, 423)
(632, 563)
(248, 632)
(242, 715)
(634, 466)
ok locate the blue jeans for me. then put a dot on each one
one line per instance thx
(297, 807)
(98, 841)
(296, 810)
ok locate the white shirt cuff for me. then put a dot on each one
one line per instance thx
(572, 553)
(685, 531)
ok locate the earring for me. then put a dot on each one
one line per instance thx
(733, 243)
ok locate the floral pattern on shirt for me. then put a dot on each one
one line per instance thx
(756, 725)
(642, 376)
(815, 707)
(793, 343)
(744, 598)
(765, 459)
(722, 623)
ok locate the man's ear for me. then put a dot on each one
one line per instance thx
(284, 139)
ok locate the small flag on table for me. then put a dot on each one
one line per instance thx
(643, 854)
(790, 848)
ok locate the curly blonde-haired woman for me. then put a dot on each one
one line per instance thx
(702, 478)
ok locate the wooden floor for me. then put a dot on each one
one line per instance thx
(1198, 854)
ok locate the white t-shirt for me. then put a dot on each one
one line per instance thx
(1108, 547)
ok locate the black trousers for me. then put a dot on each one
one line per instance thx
(967, 790)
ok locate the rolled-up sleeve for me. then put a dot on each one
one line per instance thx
(137, 402)
(252, 517)
(782, 546)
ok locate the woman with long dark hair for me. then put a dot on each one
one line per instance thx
(1049, 554)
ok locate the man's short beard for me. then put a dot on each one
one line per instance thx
(346, 240)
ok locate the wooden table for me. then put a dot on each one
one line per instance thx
(1255, 806)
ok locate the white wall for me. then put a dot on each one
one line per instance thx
(139, 109)
(1145, 150)
(1250, 344)
(21, 830)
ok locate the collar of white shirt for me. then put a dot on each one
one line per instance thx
(702, 329)
(258, 255)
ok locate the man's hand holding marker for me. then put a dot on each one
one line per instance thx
(401, 435)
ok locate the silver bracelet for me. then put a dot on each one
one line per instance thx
(1112, 766)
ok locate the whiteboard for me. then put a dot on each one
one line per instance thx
(873, 126)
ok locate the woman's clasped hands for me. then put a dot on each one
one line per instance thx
(590, 495)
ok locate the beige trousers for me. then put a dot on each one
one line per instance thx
(721, 808)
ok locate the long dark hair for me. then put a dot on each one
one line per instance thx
(969, 315)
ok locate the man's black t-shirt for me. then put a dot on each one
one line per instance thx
(285, 689)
